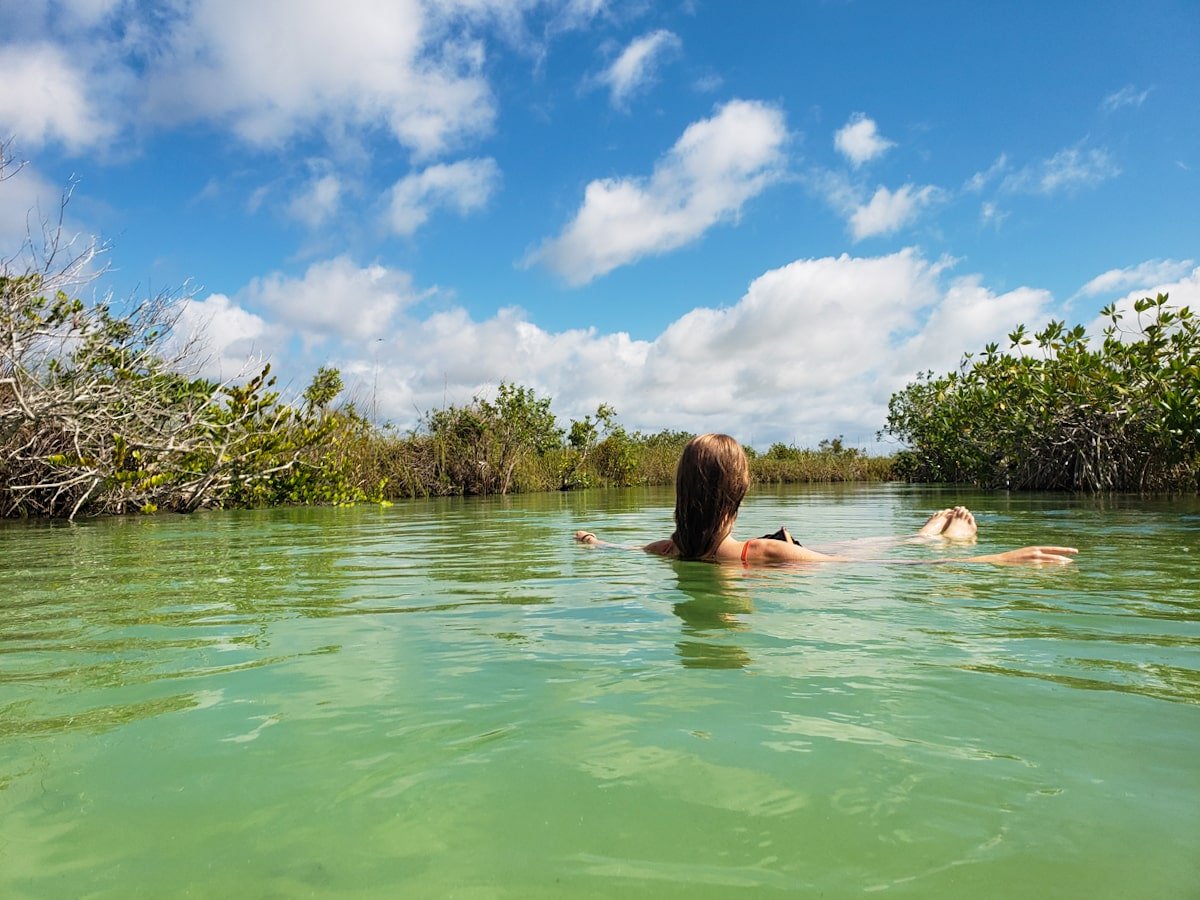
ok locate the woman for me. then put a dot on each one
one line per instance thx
(710, 483)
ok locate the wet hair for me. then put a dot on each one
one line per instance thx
(711, 480)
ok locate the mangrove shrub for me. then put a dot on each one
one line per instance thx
(97, 415)
(1060, 411)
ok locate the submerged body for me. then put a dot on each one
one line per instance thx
(710, 484)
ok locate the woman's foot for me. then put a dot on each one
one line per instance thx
(935, 524)
(961, 525)
(957, 524)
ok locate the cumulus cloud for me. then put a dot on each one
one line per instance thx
(634, 69)
(889, 211)
(967, 316)
(45, 100)
(811, 349)
(464, 187)
(1068, 170)
(715, 167)
(83, 72)
(334, 300)
(1126, 96)
(1139, 277)
(883, 212)
(327, 68)
(859, 140)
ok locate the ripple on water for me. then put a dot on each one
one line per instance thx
(418, 696)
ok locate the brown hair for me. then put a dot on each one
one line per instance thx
(711, 480)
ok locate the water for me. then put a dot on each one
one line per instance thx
(451, 698)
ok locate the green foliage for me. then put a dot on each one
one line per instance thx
(1124, 415)
(616, 458)
(96, 417)
(781, 451)
(582, 439)
(479, 447)
(325, 386)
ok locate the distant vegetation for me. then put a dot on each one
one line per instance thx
(97, 417)
(1122, 414)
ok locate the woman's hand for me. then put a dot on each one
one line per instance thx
(1035, 555)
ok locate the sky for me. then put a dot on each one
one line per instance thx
(761, 218)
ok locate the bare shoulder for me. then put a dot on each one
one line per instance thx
(662, 548)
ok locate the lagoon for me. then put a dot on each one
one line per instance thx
(450, 698)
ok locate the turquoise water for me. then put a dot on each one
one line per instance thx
(451, 698)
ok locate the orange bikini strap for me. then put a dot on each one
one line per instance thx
(745, 549)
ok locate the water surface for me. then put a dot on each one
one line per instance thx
(451, 698)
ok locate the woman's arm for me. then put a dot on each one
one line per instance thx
(768, 551)
(660, 548)
(1035, 555)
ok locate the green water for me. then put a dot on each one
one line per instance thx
(451, 698)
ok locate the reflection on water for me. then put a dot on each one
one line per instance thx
(451, 697)
(716, 603)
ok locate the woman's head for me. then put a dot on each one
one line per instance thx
(711, 481)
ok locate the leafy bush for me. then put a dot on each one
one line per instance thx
(1124, 415)
(479, 447)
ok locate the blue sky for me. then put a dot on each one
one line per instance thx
(756, 217)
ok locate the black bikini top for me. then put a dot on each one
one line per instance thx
(781, 535)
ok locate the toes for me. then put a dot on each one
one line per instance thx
(936, 523)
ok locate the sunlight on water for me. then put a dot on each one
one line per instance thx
(451, 698)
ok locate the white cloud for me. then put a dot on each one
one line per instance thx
(634, 69)
(229, 339)
(980, 180)
(715, 167)
(464, 187)
(812, 349)
(1126, 96)
(318, 202)
(44, 99)
(82, 72)
(889, 211)
(326, 68)
(334, 300)
(991, 214)
(859, 140)
(967, 316)
(1068, 170)
(1139, 277)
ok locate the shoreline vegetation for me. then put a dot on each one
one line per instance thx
(100, 416)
